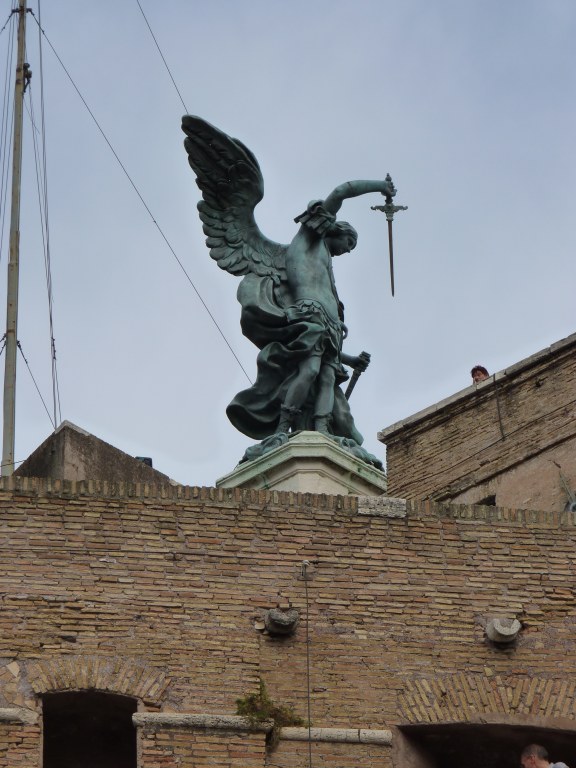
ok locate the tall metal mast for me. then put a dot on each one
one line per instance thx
(13, 265)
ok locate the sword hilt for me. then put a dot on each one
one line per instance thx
(365, 357)
(390, 209)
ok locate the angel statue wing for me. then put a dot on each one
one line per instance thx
(231, 182)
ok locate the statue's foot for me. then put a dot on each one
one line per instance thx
(322, 425)
(288, 418)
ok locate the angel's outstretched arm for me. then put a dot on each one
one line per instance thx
(353, 189)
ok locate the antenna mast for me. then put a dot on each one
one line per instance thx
(13, 265)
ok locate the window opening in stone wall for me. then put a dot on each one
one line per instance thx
(487, 501)
(479, 745)
(86, 729)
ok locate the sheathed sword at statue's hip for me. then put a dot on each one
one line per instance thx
(390, 209)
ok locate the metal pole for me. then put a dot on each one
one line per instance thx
(13, 265)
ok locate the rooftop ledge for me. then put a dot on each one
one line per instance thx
(474, 389)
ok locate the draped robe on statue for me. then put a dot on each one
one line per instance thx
(268, 319)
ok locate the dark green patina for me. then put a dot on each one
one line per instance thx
(290, 306)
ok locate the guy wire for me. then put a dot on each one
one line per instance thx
(141, 198)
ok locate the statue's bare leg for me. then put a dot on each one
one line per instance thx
(325, 399)
(298, 392)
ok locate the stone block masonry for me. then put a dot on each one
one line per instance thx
(510, 440)
(159, 594)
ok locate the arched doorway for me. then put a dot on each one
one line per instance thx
(88, 729)
(480, 745)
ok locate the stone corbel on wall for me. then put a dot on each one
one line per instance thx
(280, 622)
(502, 631)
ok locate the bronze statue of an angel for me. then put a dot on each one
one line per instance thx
(290, 307)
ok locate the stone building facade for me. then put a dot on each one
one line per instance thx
(142, 608)
(509, 440)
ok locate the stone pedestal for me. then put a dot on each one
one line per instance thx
(308, 463)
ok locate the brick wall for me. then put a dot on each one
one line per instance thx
(329, 755)
(177, 747)
(19, 745)
(159, 595)
(510, 437)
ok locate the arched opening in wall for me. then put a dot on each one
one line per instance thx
(88, 729)
(479, 745)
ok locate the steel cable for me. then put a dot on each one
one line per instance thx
(141, 198)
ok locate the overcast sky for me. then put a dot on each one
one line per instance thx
(469, 105)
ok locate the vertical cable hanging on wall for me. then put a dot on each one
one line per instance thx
(305, 564)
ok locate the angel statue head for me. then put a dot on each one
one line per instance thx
(290, 308)
(341, 238)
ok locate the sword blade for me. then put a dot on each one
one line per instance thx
(351, 384)
(356, 375)
(391, 251)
